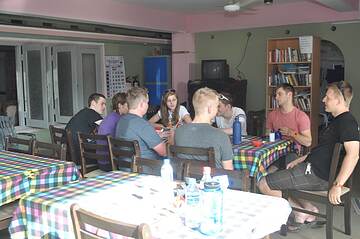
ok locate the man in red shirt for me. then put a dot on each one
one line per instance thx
(291, 121)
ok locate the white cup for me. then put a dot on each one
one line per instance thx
(272, 137)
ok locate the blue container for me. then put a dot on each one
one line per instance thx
(157, 77)
(278, 135)
(212, 209)
(236, 131)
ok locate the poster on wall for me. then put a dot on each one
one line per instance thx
(115, 75)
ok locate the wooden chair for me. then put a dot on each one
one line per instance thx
(7, 129)
(153, 167)
(49, 150)
(91, 151)
(81, 217)
(322, 197)
(14, 144)
(6, 213)
(238, 179)
(57, 135)
(194, 158)
(123, 152)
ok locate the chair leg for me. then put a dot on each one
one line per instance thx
(329, 221)
(347, 213)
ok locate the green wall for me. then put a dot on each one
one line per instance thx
(230, 45)
(133, 54)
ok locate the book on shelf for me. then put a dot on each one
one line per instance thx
(288, 55)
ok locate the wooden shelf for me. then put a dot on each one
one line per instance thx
(304, 76)
(297, 62)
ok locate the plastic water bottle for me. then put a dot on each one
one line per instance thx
(206, 176)
(167, 178)
(212, 209)
(237, 131)
(192, 207)
(167, 173)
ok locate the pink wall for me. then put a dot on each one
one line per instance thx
(275, 15)
(183, 48)
(101, 11)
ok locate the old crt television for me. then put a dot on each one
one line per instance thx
(214, 70)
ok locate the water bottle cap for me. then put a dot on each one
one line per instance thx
(166, 161)
(206, 170)
(211, 185)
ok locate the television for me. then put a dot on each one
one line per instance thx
(214, 69)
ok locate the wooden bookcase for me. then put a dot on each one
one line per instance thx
(286, 64)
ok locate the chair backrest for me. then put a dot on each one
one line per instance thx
(153, 167)
(49, 150)
(6, 129)
(81, 217)
(92, 151)
(71, 154)
(238, 179)
(57, 135)
(192, 153)
(188, 156)
(124, 152)
(19, 145)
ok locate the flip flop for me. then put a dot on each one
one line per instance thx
(315, 224)
(296, 226)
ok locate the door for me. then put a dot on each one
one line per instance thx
(35, 86)
(65, 84)
(89, 73)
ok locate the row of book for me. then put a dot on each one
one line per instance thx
(294, 79)
(288, 55)
(302, 101)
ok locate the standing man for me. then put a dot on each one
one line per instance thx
(311, 172)
(133, 126)
(86, 121)
(201, 134)
(226, 115)
(292, 122)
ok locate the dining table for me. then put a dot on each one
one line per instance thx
(257, 157)
(24, 174)
(139, 198)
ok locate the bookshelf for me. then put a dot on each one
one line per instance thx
(296, 60)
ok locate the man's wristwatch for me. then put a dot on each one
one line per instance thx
(337, 184)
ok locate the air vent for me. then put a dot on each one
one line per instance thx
(17, 22)
(47, 24)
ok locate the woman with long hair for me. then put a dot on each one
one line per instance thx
(171, 113)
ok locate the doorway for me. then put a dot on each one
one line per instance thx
(48, 83)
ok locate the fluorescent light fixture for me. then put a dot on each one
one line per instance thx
(232, 7)
(268, 2)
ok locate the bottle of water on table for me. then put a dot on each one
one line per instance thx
(192, 206)
(167, 176)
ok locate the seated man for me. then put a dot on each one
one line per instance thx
(201, 134)
(226, 115)
(86, 120)
(292, 122)
(133, 126)
(108, 124)
(343, 129)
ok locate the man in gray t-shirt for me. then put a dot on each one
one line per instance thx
(133, 127)
(201, 134)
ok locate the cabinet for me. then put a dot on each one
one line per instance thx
(296, 61)
(157, 77)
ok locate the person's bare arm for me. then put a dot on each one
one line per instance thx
(228, 131)
(296, 161)
(187, 119)
(155, 119)
(350, 160)
(228, 164)
(303, 137)
(160, 149)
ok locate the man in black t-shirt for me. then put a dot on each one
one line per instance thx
(86, 120)
(311, 172)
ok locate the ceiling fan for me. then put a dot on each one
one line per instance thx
(234, 6)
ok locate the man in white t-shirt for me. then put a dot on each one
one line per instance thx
(227, 113)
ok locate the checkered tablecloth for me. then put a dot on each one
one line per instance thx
(22, 174)
(258, 159)
(135, 199)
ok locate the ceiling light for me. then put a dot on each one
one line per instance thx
(232, 7)
(268, 2)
